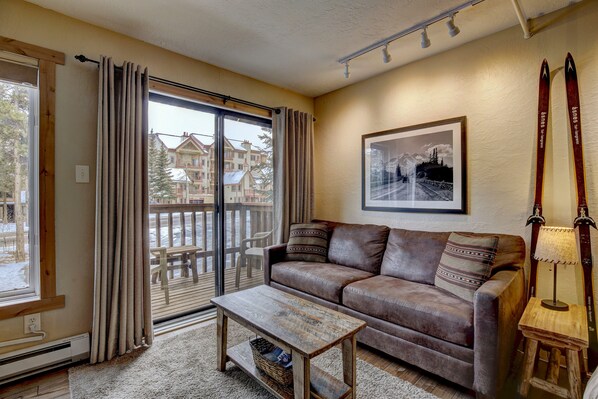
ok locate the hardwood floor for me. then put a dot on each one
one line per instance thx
(54, 385)
(51, 385)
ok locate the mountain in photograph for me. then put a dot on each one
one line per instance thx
(434, 165)
(408, 162)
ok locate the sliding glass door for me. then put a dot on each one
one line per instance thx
(247, 191)
(210, 192)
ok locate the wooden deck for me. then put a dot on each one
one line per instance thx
(186, 296)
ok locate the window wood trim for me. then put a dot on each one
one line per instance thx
(207, 99)
(47, 249)
(47, 116)
(34, 306)
(31, 50)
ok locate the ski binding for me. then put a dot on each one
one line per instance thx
(536, 217)
(584, 218)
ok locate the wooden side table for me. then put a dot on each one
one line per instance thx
(566, 331)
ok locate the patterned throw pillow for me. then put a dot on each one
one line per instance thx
(466, 264)
(308, 242)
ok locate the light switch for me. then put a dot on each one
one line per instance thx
(81, 173)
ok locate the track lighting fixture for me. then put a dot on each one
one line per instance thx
(425, 39)
(452, 29)
(386, 57)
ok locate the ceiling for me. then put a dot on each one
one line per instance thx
(295, 44)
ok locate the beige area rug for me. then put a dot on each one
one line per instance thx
(184, 366)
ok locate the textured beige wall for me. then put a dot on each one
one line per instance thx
(76, 137)
(494, 83)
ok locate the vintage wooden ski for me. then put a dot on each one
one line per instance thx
(536, 219)
(583, 221)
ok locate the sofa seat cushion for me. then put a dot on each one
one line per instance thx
(324, 280)
(417, 306)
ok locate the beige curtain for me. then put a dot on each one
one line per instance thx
(293, 133)
(122, 317)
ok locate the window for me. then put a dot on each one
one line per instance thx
(19, 266)
(27, 254)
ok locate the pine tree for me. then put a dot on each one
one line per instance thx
(434, 157)
(151, 167)
(266, 167)
(159, 175)
(163, 176)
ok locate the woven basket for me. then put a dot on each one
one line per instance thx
(278, 373)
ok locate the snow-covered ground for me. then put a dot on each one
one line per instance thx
(13, 276)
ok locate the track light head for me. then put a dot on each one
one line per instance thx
(386, 57)
(425, 39)
(347, 70)
(453, 30)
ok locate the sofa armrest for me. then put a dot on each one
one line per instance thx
(498, 305)
(272, 255)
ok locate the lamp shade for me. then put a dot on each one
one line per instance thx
(557, 245)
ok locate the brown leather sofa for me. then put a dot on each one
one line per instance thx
(386, 277)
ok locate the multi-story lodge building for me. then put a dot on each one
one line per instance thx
(191, 160)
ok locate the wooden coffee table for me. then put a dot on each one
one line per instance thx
(299, 327)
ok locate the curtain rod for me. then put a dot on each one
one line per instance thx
(224, 97)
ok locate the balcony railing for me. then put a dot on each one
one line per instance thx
(193, 224)
(188, 165)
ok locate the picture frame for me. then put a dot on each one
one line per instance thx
(420, 168)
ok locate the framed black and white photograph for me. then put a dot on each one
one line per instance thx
(418, 168)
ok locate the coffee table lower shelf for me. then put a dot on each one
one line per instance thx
(323, 385)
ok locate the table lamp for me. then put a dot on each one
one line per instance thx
(556, 245)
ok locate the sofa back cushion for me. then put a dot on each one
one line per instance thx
(510, 253)
(360, 246)
(413, 255)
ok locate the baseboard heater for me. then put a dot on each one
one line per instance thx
(40, 358)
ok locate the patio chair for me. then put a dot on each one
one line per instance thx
(251, 248)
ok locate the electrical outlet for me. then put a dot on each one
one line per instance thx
(32, 322)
